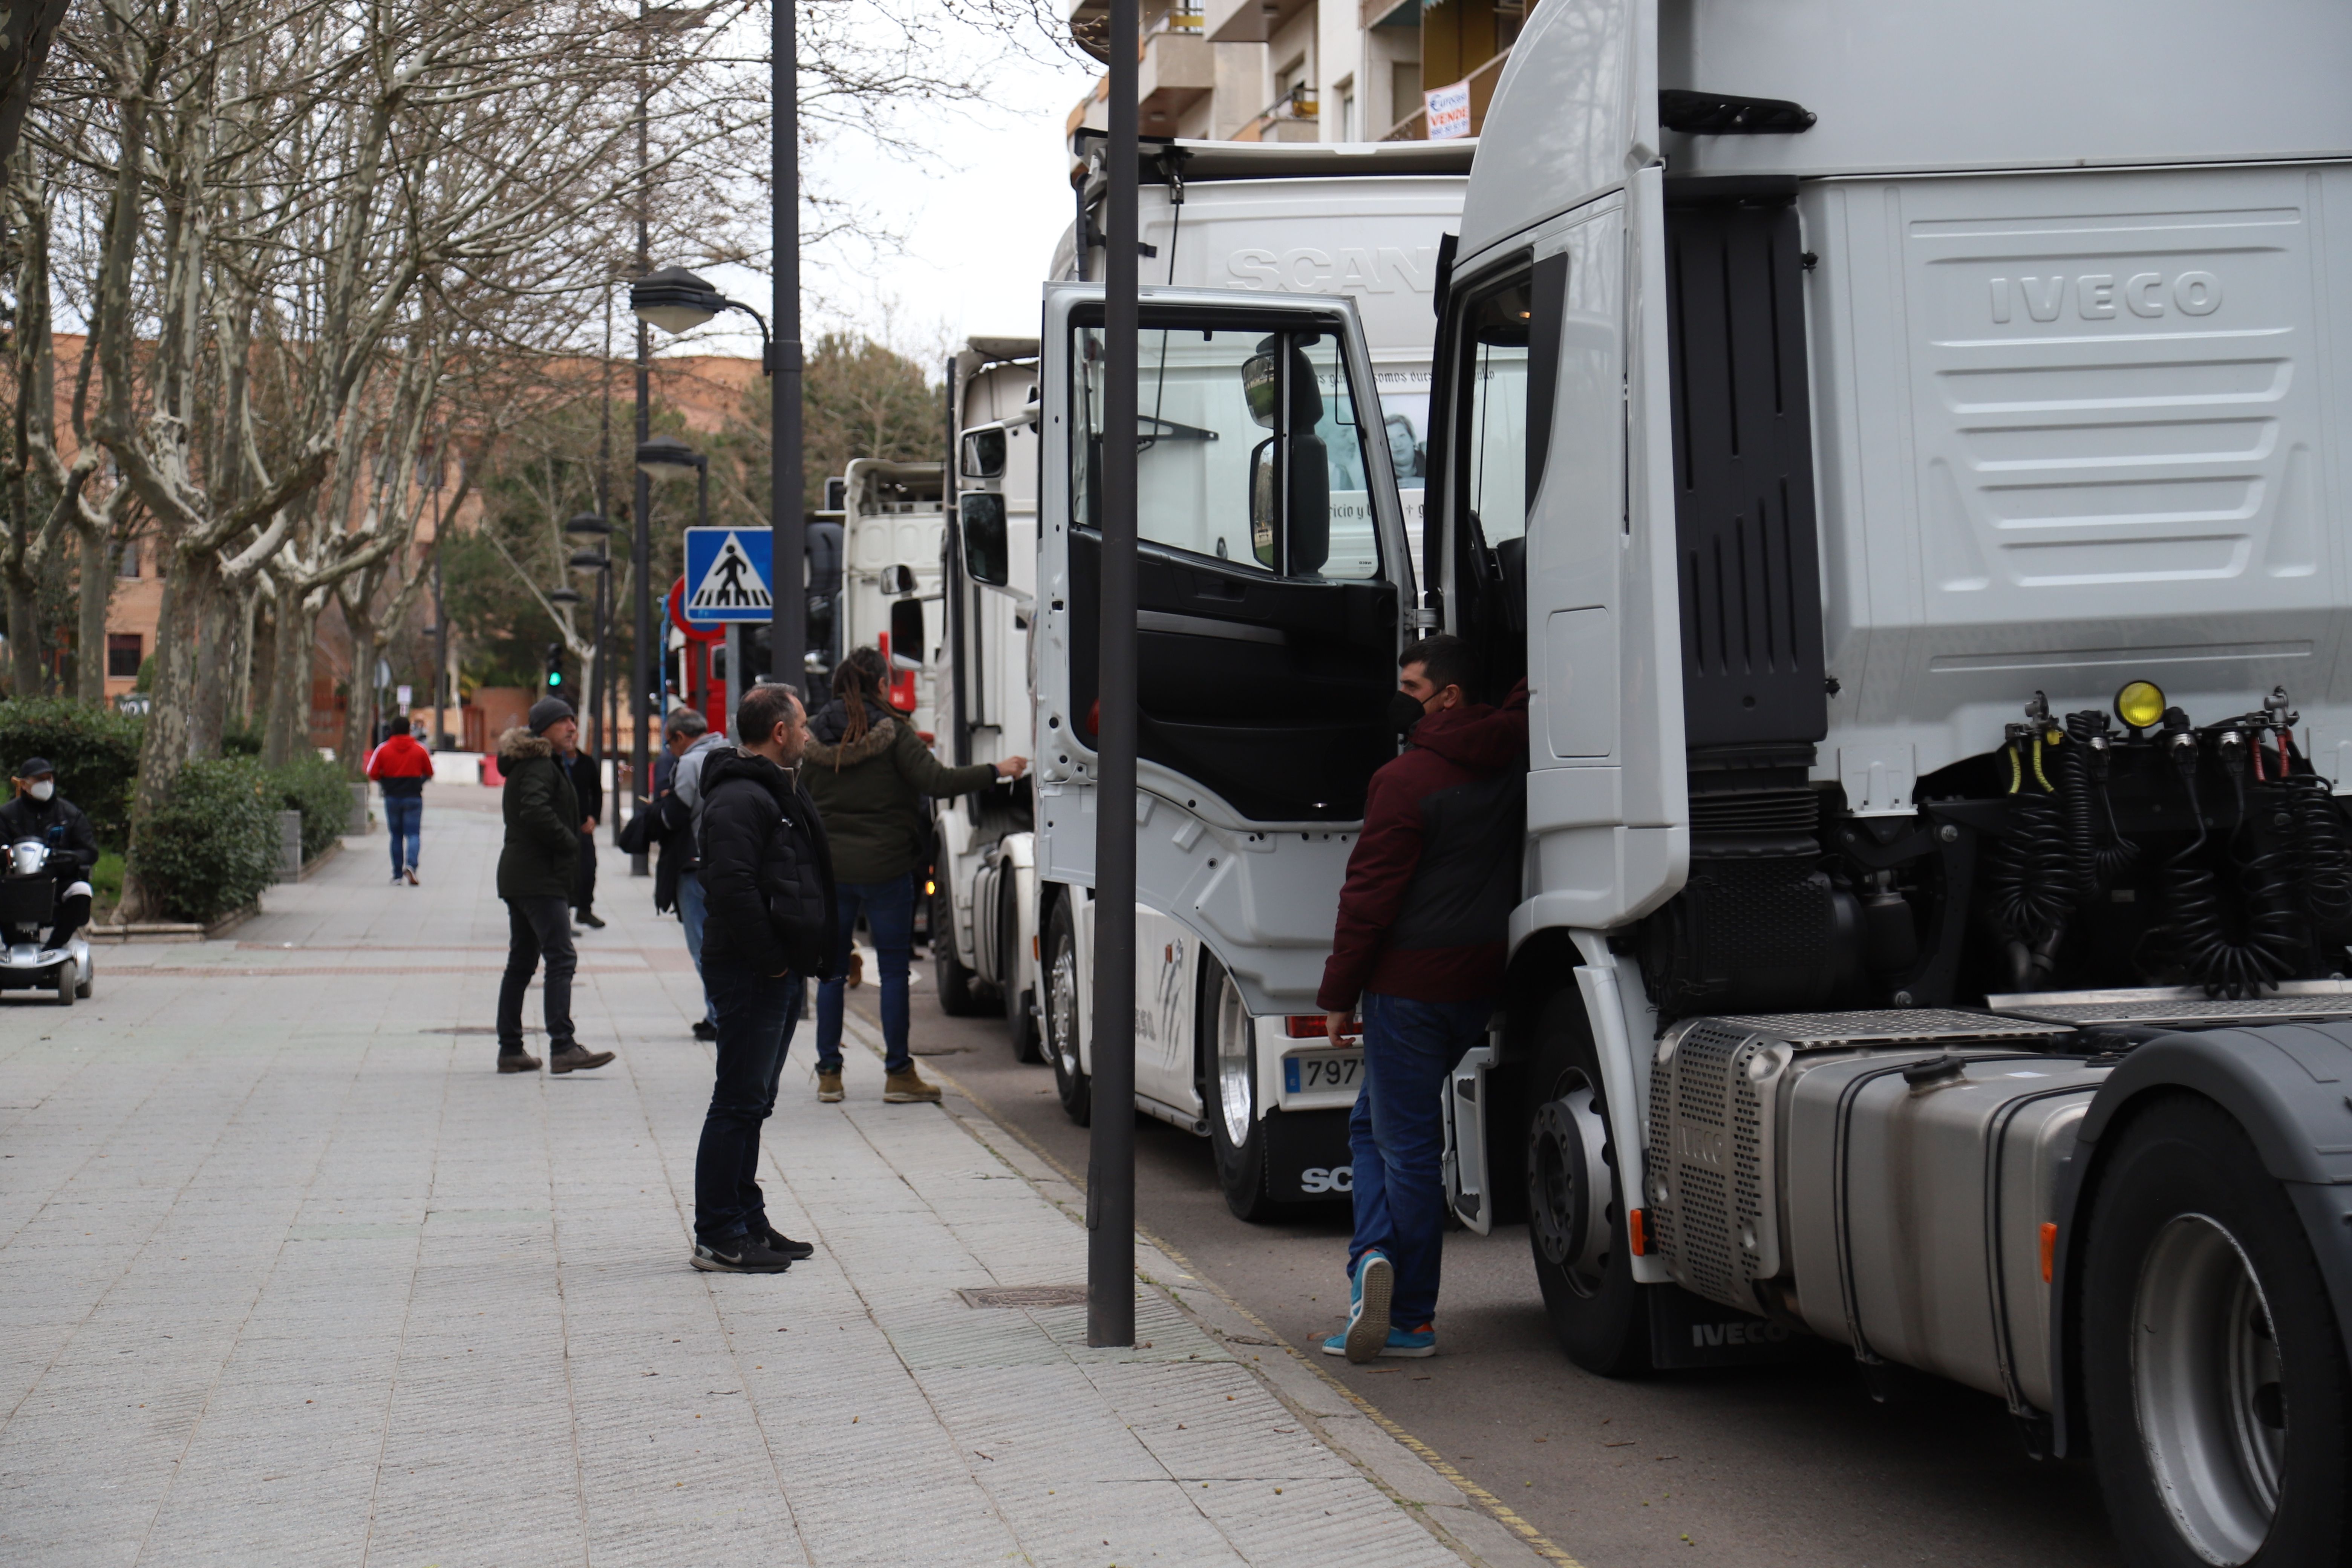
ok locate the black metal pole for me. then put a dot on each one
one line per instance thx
(441, 682)
(640, 513)
(1110, 1161)
(788, 632)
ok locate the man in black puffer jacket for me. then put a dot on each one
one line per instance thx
(536, 870)
(767, 881)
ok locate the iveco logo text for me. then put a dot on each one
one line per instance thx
(2098, 296)
(1354, 270)
(1701, 1144)
(1707, 1336)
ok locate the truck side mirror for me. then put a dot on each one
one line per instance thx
(983, 455)
(824, 559)
(987, 555)
(1309, 511)
(906, 641)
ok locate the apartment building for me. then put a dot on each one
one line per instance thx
(1306, 70)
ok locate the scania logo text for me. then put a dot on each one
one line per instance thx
(1348, 269)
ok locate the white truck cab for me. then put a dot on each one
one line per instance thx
(1901, 448)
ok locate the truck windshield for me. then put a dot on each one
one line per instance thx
(1202, 447)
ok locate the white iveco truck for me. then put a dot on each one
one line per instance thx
(1240, 224)
(1903, 448)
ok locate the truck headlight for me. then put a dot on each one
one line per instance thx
(2140, 704)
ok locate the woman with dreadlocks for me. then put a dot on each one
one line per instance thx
(868, 772)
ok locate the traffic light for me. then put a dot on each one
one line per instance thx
(555, 669)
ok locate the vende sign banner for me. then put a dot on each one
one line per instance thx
(1449, 112)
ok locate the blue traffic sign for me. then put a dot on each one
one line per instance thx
(728, 573)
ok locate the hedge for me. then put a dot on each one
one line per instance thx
(317, 789)
(96, 751)
(213, 845)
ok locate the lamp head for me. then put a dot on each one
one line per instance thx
(564, 596)
(665, 459)
(674, 300)
(587, 523)
(589, 560)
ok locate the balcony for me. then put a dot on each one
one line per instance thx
(1175, 69)
(1295, 117)
(1249, 21)
(1415, 127)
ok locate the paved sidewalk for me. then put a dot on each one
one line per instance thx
(289, 1275)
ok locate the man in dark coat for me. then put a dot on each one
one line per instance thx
(767, 873)
(1420, 941)
(587, 775)
(536, 871)
(40, 812)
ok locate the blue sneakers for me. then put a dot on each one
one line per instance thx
(1417, 1342)
(1368, 1308)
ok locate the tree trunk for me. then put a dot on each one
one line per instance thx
(96, 589)
(359, 719)
(207, 701)
(241, 654)
(193, 581)
(24, 638)
(287, 730)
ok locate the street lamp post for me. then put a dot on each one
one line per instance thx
(665, 459)
(599, 561)
(1110, 1158)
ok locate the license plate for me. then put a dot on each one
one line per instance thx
(1322, 1070)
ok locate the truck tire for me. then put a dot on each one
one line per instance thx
(1062, 1014)
(1229, 1085)
(1019, 1001)
(1576, 1210)
(2213, 1370)
(952, 979)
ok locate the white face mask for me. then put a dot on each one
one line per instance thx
(45, 788)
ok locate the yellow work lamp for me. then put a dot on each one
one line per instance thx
(2140, 704)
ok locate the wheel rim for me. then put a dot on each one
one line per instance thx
(1570, 1190)
(1236, 1088)
(2206, 1380)
(1062, 1003)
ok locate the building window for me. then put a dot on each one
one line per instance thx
(129, 566)
(1350, 131)
(124, 650)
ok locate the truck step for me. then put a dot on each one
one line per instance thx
(1892, 1026)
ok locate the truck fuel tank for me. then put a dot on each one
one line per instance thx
(1891, 1170)
(1917, 1189)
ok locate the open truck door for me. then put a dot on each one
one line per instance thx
(1272, 576)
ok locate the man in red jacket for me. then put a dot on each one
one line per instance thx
(1420, 940)
(403, 768)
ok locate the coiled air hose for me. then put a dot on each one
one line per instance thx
(2264, 951)
(2324, 844)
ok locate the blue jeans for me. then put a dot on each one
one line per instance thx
(403, 819)
(1397, 1131)
(890, 910)
(756, 1014)
(691, 910)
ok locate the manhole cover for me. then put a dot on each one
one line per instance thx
(1025, 1296)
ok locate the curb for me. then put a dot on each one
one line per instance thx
(319, 860)
(174, 931)
(1475, 1523)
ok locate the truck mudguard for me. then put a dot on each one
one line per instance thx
(2290, 1086)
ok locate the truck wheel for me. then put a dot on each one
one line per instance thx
(1019, 1001)
(1236, 1132)
(2213, 1370)
(953, 980)
(1062, 1014)
(1576, 1211)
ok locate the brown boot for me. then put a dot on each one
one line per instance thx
(572, 1059)
(517, 1061)
(909, 1088)
(828, 1086)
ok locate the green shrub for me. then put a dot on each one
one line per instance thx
(317, 789)
(240, 740)
(213, 845)
(96, 751)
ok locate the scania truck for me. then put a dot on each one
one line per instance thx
(1903, 448)
(1240, 223)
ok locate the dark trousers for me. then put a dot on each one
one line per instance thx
(72, 909)
(403, 822)
(890, 915)
(537, 928)
(584, 890)
(756, 1014)
(1397, 1134)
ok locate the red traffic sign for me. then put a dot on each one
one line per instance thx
(678, 617)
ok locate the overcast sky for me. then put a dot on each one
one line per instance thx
(978, 214)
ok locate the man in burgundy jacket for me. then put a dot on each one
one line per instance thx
(1419, 939)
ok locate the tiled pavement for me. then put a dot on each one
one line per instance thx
(289, 1276)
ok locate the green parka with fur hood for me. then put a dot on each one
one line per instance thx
(542, 813)
(870, 790)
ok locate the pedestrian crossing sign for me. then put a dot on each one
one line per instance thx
(728, 571)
